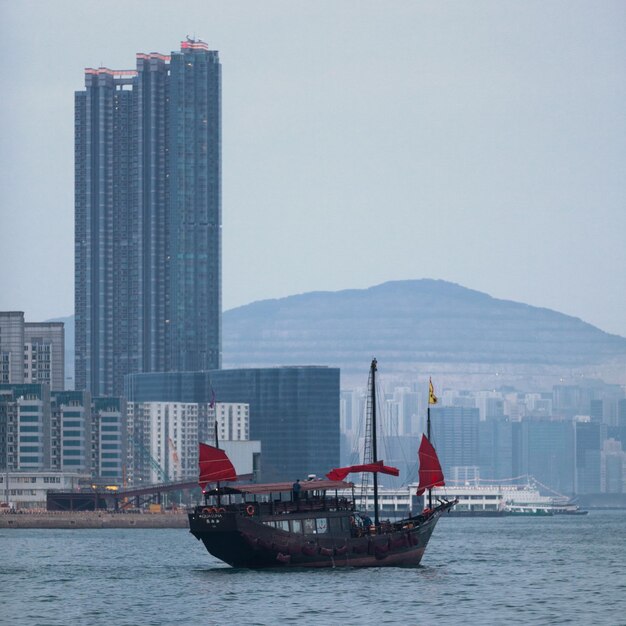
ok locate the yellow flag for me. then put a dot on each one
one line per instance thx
(432, 398)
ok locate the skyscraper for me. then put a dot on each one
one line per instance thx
(148, 218)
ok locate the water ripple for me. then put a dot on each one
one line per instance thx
(476, 571)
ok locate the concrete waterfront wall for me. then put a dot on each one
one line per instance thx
(95, 519)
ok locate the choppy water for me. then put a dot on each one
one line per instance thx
(554, 570)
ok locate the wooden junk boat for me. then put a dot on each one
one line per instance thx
(273, 525)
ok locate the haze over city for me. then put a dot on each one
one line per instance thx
(362, 142)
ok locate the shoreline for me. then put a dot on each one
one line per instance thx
(92, 519)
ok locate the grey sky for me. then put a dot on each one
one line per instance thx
(478, 142)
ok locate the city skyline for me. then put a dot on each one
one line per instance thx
(481, 145)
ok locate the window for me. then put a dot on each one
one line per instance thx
(321, 524)
(309, 526)
(296, 526)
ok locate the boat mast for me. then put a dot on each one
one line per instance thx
(217, 445)
(374, 453)
(430, 491)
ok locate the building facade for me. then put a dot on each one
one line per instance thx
(11, 347)
(454, 432)
(294, 411)
(25, 415)
(71, 429)
(44, 354)
(148, 218)
(62, 431)
(109, 440)
(164, 436)
(31, 352)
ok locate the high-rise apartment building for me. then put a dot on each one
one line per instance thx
(25, 427)
(12, 347)
(44, 354)
(164, 436)
(148, 218)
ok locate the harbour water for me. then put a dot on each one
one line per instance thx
(536, 570)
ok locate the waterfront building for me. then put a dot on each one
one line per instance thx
(71, 432)
(62, 431)
(26, 415)
(293, 411)
(109, 440)
(29, 489)
(148, 218)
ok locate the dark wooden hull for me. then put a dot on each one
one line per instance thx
(247, 542)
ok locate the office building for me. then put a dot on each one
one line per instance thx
(148, 218)
(589, 438)
(455, 436)
(495, 449)
(294, 411)
(545, 450)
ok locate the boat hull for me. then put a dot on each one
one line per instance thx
(248, 543)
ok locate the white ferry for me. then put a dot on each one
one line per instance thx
(475, 500)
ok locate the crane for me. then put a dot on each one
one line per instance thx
(175, 458)
(153, 462)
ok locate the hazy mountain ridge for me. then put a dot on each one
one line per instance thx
(412, 324)
(416, 328)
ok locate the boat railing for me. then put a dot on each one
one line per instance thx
(281, 507)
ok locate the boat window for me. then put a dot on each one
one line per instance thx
(321, 524)
(309, 526)
(270, 523)
(283, 524)
(296, 526)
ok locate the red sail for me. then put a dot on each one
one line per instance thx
(214, 465)
(340, 473)
(430, 468)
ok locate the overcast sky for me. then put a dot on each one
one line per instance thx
(482, 143)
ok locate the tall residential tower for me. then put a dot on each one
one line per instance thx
(148, 218)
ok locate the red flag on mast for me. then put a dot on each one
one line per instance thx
(430, 471)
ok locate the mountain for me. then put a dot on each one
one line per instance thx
(418, 328)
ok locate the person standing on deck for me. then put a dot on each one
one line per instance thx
(296, 488)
